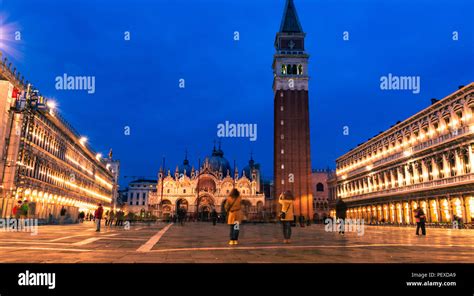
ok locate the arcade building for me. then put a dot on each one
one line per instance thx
(43, 160)
(424, 161)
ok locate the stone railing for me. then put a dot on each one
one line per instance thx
(467, 178)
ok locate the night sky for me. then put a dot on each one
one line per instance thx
(137, 81)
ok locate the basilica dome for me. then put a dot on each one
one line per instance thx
(250, 167)
(218, 161)
(185, 167)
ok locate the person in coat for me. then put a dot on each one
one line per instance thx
(341, 209)
(286, 201)
(420, 219)
(98, 216)
(234, 215)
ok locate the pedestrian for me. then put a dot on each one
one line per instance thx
(106, 218)
(234, 215)
(16, 211)
(98, 216)
(111, 218)
(420, 219)
(81, 216)
(120, 218)
(181, 215)
(214, 217)
(341, 209)
(287, 214)
(24, 209)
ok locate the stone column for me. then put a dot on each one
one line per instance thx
(463, 210)
(458, 163)
(424, 171)
(450, 207)
(435, 167)
(471, 158)
(414, 167)
(446, 167)
(438, 210)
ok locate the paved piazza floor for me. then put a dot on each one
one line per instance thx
(259, 243)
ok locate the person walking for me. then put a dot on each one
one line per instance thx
(82, 216)
(24, 209)
(286, 201)
(181, 215)
(341, 209)
(420, 219)
(17, 213)
(111, 218)
(214, 217)
(98, 216)
(234, 215)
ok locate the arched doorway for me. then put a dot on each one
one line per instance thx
(181, 203)
(166, 209)
(205, 205)
(246, 210)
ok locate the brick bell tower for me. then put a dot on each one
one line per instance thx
(292, 159)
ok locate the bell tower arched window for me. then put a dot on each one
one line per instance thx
(300, 69)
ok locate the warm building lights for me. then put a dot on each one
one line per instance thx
(83, 140)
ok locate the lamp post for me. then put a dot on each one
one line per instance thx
(160, 205)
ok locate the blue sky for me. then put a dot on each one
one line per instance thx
(137, 80)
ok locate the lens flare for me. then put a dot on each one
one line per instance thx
(10, 38)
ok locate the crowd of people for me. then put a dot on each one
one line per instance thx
(111, 218)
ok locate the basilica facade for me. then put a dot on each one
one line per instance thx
(202, 190)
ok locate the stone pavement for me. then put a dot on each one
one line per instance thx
(259, 243)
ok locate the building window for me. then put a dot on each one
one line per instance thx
(143, 203)
(184, 190)
(319, 187)
(300, 69)
(137, 203)
(282, 151)
(283, 69)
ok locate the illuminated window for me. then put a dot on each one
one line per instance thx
(283, 69)
(300, 69)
